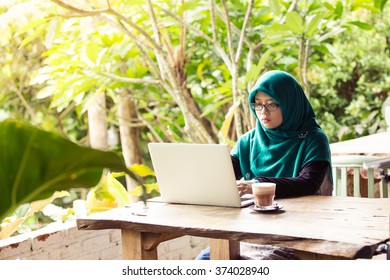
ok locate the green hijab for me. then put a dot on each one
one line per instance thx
(283, 151)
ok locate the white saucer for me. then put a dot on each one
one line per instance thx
(273, 207)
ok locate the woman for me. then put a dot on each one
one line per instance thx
(286, 147)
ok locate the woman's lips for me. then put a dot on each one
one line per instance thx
(265, 120)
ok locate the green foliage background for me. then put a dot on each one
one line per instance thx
(54, 61)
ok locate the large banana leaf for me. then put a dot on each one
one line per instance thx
(35, 163)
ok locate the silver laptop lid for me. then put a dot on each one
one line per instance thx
(195, 173)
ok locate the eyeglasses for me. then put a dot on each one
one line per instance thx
(270, 106)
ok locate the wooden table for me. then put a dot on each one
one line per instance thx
(317, 227)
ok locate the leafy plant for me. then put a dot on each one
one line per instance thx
(349, 92)
(11, 223)
(110, 192)
(35, 163)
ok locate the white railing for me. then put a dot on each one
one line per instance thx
(340, 166)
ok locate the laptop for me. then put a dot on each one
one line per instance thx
(200, 174)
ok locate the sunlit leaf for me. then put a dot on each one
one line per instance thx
(380, 4)
(313, 25)
(272, 40)
(36, 206)
(92, 52)
(339, 10)
(274, 5)
(142, 170)
(331, 33)
(96, 205)
(9, 228)
(295, 22)
(38, 32)
(199, 71)
(109, 193)
(266, 55)
(255, 70)
(216, 105)
(228, 120)
(149, 188)
(32, 25)
(361, 25)
(40, 204)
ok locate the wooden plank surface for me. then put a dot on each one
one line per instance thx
(343, 227)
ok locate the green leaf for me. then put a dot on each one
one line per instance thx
(313, 25)
(266, 55)
(339, 10)
(41, 30)
(277, 29)
(92, 52)
(10, 227)
(295, 22)
(331, 33)
(253, 73)
(137, 191)
(215, 106)
(321, 48)
(224, 131)
(361, 25)
(32, 25)
(109, 193)
(380, 4)
(142, 170)
(255, 70)
(35, 163)
(273, 39)
(274, 5)
(315, 5)
(199, 70)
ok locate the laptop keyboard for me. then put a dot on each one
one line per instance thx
(247, 200)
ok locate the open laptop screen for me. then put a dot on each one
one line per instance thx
(195, 174)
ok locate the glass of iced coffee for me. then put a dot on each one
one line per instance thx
(263, 194)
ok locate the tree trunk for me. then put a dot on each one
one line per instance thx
(97, 122)
(196, 112)
(303, 57)
(129, 135)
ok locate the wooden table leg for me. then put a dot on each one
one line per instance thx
(138, 245)
(222, 249)
(132, 246)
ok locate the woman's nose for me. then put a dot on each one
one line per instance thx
(264, 112)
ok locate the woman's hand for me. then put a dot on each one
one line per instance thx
(245, 187)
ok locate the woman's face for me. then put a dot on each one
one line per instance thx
(268, 119)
